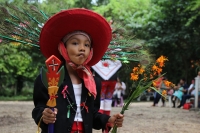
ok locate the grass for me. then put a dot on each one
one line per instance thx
(16, 98)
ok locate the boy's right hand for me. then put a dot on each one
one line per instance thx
(49, 116)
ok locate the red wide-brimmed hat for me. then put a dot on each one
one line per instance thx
(67, 21)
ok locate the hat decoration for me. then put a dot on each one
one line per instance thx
(22, 26)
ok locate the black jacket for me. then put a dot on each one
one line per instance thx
(92, 119)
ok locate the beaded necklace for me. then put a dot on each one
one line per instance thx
(83, 105)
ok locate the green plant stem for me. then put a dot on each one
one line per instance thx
(137, 92)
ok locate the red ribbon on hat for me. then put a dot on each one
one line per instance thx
(82, 70)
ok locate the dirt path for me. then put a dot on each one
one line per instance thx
(15, 117)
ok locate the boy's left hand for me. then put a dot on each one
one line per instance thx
(116, 119)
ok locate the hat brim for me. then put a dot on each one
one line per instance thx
(71, 20)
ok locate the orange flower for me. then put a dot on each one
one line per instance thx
(141, 70)
(154, 68)
(161, 59)
(161, 64)
(159, 70)
(164, 92)
(167, 83)
(154, 83)
(135, 69)
(134, 77)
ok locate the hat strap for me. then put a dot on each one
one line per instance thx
(82, 70)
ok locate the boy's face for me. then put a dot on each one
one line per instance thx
(78, 49)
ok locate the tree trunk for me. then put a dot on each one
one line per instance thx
(20, 84)
(15, 89)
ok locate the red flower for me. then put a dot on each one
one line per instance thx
(105, 64)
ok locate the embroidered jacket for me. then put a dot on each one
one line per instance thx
(91, 119)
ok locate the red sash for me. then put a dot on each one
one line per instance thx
(77, 126)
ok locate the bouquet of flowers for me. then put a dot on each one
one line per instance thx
(145, 78)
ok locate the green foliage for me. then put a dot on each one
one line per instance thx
(16, 66)
(170, 28)
(123, 10)
(16, 98)
(53, 6)
(83, 4)
(20, 61)
(27, 92)
(175, 35)
(9, 91)
(6, 92)
(194, 6)
(16, 62)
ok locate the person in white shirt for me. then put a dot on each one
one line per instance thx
(191, 90)
(120, 88)
(191, 93)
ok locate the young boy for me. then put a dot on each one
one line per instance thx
(78, 37)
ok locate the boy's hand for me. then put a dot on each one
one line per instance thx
(49, 116)
(116, 119)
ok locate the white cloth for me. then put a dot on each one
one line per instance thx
(193, 91)
(77, 93)
(107, 68)
(119, 91)
(106, 104)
